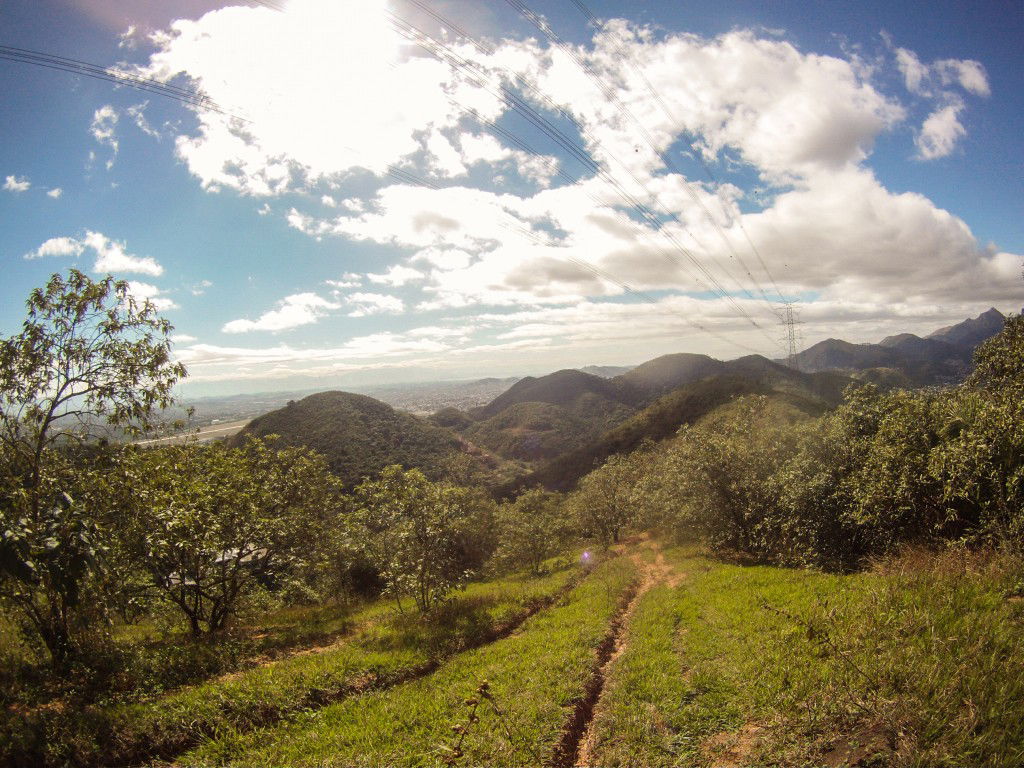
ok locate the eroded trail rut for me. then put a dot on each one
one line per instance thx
(577, 744)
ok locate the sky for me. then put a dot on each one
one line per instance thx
(360, 191)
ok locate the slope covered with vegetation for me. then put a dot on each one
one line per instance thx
(358, 435)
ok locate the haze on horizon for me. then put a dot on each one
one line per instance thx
(446, 189)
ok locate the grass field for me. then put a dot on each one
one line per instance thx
(536, 676)
(915, 663)
(380, 647)
(658, 657)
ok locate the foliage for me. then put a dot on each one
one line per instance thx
(359, 436)
(209, 523)
(533, 528)
(411, 528)
(881, 471)
(88, 354)
(602, 505)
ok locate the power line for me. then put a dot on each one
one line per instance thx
(74, 66)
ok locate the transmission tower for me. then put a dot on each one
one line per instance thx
(793, 339)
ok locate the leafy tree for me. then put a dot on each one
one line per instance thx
(209, 523)
(603, 502)
(533, 528)
(412, 532)
(88, 355)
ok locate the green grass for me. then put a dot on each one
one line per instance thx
(384, 646)
(916, 663)
(536, 675)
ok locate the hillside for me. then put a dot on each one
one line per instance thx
(534, 431)
(809, 393)
(569, 389)
(358, 435)
(667, 372)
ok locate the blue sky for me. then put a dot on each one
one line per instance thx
(865, 159)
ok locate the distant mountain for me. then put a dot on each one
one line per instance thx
(942, 357)
(358, 435)
(535, 431)
(970, 333)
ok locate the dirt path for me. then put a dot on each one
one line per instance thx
(580, 737)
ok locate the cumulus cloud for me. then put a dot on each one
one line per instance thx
(111, 255)
(58, 246)
(347, 52)
(55, 193)
(397, 276)
(929, 79)
(291, 312)
(17, 184)
(531, 238)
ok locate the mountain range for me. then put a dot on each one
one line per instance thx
(551, 430)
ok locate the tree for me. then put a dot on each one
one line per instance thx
(602, 503)
(210, 523)
(88, 355)
(412, 532)
(533, 528)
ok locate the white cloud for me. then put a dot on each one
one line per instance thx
(291, 312)
(104, 130)
(915, 73)
(200, 288)
(967, 73)
(940, 132)
(137, 112)
(129, 38)
(147, 292)
(183, 338)
(365, 304)
(804, 123)
(55, 193)
(58, 246)
(17, 184)
(111, 255)
(927, 80)
(307, 52)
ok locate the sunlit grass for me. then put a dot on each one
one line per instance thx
(915, 663)
(535, 675)
(384, 646)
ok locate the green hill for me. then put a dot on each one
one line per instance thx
(358, 435)
(808, 393)
(579, 393)
(540, 431)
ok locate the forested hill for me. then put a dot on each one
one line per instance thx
(358, 435)
(811, 394)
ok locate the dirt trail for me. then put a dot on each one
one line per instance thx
(579, 738)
